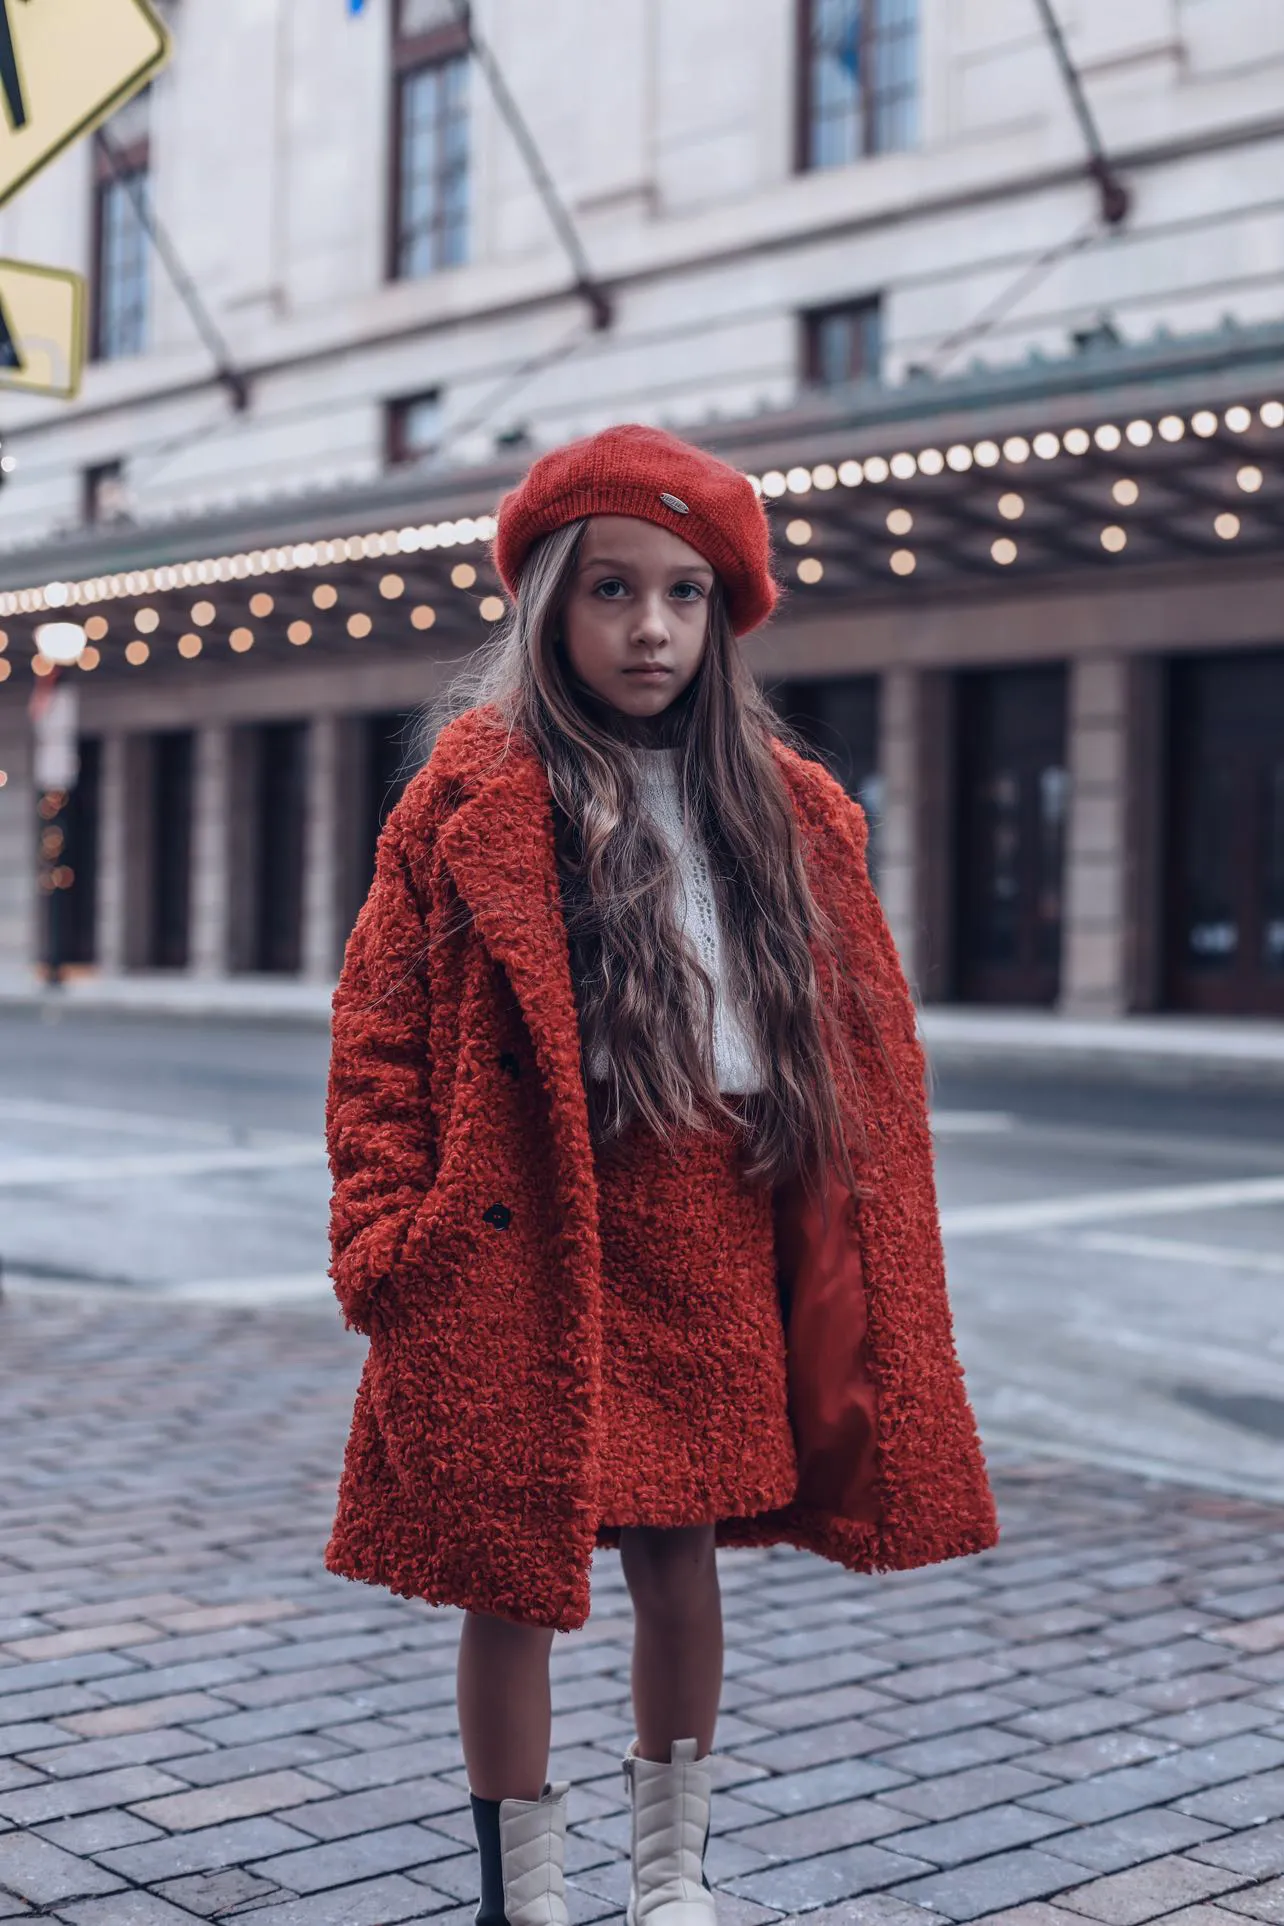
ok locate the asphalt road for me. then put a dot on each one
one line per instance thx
(1116, 1252)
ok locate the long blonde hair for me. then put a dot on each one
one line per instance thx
(645, 1003)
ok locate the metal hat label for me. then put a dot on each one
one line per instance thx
(672, 501)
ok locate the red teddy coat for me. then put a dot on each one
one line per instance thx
(465, 1234)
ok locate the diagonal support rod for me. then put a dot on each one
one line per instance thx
(1115, 199)
(586, 282)
(233, 380)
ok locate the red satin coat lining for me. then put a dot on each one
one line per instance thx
(833, 1401)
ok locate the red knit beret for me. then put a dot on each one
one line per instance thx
(644, 472)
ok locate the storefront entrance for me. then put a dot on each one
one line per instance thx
(1013, 795)
(839, 717)
(170, 868)
(1225, 937)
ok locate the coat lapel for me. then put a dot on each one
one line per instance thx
(499, 847)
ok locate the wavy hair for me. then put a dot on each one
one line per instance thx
(646, 1006)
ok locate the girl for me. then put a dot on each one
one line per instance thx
(633, 1181)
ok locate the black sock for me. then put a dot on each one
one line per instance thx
(486, 1821)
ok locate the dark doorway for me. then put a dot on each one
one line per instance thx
(279, 793)
(169, 919)
(391, 759)
(1013, 795)
(838, 715)
(78, 904)
(1225, 938)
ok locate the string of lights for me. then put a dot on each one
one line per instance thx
(777, 487)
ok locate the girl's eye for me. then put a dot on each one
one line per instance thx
(687, 591)
(611, 590)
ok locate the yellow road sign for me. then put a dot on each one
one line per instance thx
(64, 66)
(42, 329)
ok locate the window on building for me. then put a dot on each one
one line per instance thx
(858, 74)
(843, 343)
(414, 427)
(122, 179)
(430, 138)
(105, 496)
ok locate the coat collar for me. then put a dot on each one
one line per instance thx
(499, 846)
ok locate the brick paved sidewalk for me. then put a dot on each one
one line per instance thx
(198, 1722)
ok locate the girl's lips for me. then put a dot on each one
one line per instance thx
(651, 671)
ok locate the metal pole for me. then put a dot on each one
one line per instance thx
(1115, 199)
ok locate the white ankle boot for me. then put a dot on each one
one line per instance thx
(531, 1847)
(670, 1831)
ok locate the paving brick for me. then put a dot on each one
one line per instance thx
(95, 1832)
(870, 1909)
(1204, 1724)
(1243, 1802)
(806, 1883)
(817, 1708)
(272, 1722)
(974, 1835)
(217, 1763)
(144, 1605)
(126, 1909)
(233, 1799)
(989, 1885)
(1146, 1892)
(381, 1806)
(1259, 1852)
(803, 1835)
(821, 1785)
(194, 1852)
(206, 1894)
(1133, 1838)
(961, 1792)
(88, 1638)
(950, 1714)
(73, 1760)
(149, 1682)
(143, 1715)
(1079, 1718)
(1102, 1753)
(956, 1751)
(59, 1798)
(368, 1902)
(1259, 1901)
(813, 1745)
(36, 1870)
(389, 1849)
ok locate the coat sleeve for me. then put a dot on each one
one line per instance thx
(379, 1131)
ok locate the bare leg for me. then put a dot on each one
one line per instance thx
(505, 1707)
(677, 1639)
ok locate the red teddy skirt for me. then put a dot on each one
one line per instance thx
(695, 1419)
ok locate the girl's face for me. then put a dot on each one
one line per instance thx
(637, 614)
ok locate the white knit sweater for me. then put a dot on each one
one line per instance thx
(734, 1054)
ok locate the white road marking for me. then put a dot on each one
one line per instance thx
(971, 1123)
(32, 1173)
(1173, 1250)
(1096, 1207)
(251, 1290)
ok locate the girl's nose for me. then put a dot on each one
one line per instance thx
(652, 622)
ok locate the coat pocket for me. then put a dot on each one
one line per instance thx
(833, 1397)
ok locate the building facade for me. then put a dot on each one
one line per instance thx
(1023, 452)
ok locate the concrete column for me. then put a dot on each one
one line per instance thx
(322, 880)
(915, 868)
(1095, 941)
(898, 719)
(211, 867)
(18, 918)
(112, 854)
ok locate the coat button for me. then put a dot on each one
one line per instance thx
(499, 1215)
(508, 1062)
